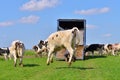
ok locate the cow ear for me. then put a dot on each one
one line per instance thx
(35, 48)
(74, 31)
(41, 42)
(46, 43)
(16, 44)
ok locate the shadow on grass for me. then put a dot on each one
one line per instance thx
(94, 57)
(1, 59)
(30, 65)
(81, 68)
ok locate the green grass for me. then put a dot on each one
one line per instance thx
(29, 52)
(93, 68)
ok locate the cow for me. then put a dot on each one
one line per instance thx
(108, 48)
(5, 52)
(116, 48)
(94, 47)
(17, 49)
(40, 48)
(112, 48)
(62, 39)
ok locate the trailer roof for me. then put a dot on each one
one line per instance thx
(70, 23)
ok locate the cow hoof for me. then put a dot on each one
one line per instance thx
(48, 64)
(21, 65)
(14, 65)
(69, 64)
(52, 61)
(74, 60)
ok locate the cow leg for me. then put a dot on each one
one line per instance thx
(100, 52)
(107, 51)
(15, 60)
(67, 55)
(51, 58)
(48, 59)
(9, 56)
(92, 53)
(86, 53)
(21, 62)
(5, 56)
(113, 52)
(49, 55)
(71, 51)
(73, 58)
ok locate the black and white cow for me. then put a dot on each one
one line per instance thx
(112, 48)
(40, 48)
(94, 47)
(5, 52)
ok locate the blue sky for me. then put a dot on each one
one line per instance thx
(33, 20)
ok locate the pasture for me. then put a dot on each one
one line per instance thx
(93, 68)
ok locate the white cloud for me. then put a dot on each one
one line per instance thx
(34, 5)
(29, 19)
(89, 26)
(107, 35)
(7, 23)
(93, 11)
(32, 19)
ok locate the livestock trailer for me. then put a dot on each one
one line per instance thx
(65, 24)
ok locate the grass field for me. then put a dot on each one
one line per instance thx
(93, 68)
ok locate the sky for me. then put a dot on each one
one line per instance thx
(34, 20)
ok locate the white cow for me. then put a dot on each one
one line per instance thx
(17, 49)
(112, 48)
(67, 39)
(115, 48)
(5, 52)
(108, 49)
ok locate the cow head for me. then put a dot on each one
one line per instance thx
(110, 46)
(42, 46)
(35, 48)
(19, 45)
(41, 43)
(74, 30)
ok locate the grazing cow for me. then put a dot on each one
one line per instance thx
(108, 48)
(5, 52)
(63, 39)
(37, 51)
(94, 47)
(40, 48)
(116, 46)
(17, 49)
(113, 48)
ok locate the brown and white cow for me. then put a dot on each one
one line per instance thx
(113, 48)
(108, 49)
(63, 39)
(17, 49)
(116, 46)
